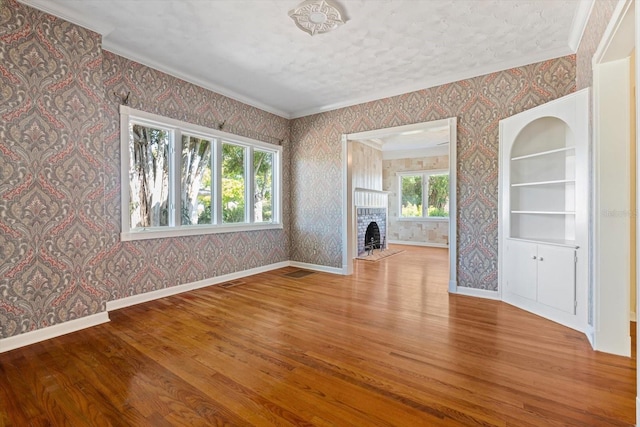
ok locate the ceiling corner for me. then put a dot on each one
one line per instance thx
(580, 19)
(59, 10)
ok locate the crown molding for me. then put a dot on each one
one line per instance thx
(429, 83)
(61, 11)
(58, 9)
(580, 19)
(119, 50)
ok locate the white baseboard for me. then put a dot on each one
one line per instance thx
(11, 343)
(426, 244)
(316, 267)
(479, 293)
(174, 290)
(453, 285)
(589, 332)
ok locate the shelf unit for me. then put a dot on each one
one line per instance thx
(543, 209)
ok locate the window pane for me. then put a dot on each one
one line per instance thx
(148, 176)
(438, 195)
(411, 188)
(196, 181)
(263, 186)
(233, 183)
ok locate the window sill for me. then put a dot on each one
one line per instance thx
(163, 232)
(425, 219)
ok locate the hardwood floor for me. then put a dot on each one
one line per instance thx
(386, 346)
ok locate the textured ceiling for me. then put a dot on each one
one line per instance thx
(252, 51)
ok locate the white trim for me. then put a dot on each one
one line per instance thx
(423, 244)
(466, 73)
(194, 230)
(176, 128)
(58, 9)
(422, 172)
(617, 18)
(580, 19)
(64, 13)
(174, 290)
(632, 316)
(61, 11)
(220, 90)
(346, 210)
(478, 293)
(192, 129)
(610, 304)
(453, 204)
(437, 151)
(423, 219)
(320, 268)
(28, 338)
(384, 132)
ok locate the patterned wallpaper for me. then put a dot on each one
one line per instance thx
(478, 103)
(60, 254)
(412, 231)
(51, 211)
(141, 266)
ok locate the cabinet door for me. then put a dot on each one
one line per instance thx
(557, 277)
(520, 268)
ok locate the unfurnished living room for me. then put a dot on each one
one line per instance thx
(320, 212)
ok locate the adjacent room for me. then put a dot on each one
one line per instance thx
(318, 212)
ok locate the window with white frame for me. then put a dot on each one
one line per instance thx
(183, 179)
(424, 194)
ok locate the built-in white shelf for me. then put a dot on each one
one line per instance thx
(544, 254)
(557, 181)
(544, 153)
(545, 212)
(556, 242)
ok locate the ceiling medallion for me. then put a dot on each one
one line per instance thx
(317, 16)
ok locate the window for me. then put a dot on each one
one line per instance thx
(196, 191)
(233, 185)
(263, 186)
(183, 179)
(424, 188)
(149, 175)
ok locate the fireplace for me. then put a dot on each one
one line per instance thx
(372, 236)
(371, 223)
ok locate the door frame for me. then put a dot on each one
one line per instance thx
(348, 214)
(609, 308)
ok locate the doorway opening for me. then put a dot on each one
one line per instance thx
(373, 181)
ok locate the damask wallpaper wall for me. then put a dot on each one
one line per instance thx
(135, 267)
(478, 103)
(60, 253)
(51, 171)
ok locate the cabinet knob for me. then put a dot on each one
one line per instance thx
(541, 259)
(534, 257)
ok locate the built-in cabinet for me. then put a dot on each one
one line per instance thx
(544, 210)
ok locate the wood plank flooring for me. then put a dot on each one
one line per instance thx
(385, 347)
